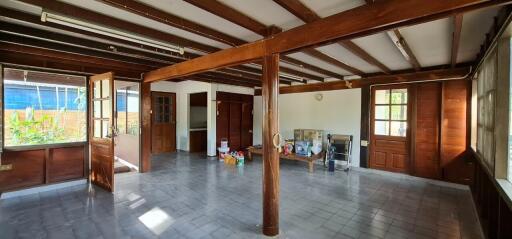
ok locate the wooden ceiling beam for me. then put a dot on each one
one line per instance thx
(307, 15)
(87, 15)
(457, 28)
(432, 75)
(46, 62)
(402, 46)
(341, 26)
(91, 16)
(73, 56)
(174, 20)
(207, 79)
(219, 9)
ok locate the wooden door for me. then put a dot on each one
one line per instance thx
(426, 130)
(222, 120)
(389, 146)
(247, 109)
(101, 132)
(163, 122)
(235, 125)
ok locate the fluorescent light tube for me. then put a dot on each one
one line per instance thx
(86, 26)
(291, 76)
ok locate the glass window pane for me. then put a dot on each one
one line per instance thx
(97, 128)
(106, 109)
(105, 88)
(43, 108)
(382, 112)
(381, 127)
(382, 97)
(96, 109)
(399, 96)
(399, 112)
(96, 90)
(105, 129)
(398, 128)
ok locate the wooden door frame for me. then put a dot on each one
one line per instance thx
(410, 99)
(174, 115)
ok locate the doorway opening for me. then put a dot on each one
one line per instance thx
(198, 118)
(127, 120)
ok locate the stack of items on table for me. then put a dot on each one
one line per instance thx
(234, 157)
(305, 142)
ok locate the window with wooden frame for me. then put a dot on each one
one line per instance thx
(391, 112)
(486, 94)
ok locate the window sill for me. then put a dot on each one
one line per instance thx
(43, 146)
(506, 188)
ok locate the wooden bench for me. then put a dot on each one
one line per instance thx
(310, 160)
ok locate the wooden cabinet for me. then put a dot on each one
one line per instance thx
(198, 140)
(234, 119)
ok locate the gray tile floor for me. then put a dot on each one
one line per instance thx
(190, 196)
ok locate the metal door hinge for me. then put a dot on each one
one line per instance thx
(6, 167)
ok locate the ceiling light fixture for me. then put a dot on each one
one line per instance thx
(107, 31)
(291, 76)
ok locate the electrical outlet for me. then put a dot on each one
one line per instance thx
(364, 143)
(6, 167)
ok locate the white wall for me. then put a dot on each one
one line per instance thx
(183, 90)
(339, 112)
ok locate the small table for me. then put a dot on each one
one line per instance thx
(310, 160)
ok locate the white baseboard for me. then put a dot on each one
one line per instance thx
(40, 189)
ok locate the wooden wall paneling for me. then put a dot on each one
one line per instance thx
(235, 125)
(426, 130)
(453, 132)
(28, 169)
(505, 217)
(66, 163)
(247, 122)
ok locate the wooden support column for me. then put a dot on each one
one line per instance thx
(270, 93)
(146, 127)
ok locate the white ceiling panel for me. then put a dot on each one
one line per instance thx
(325, 8)
(382, 48)
(474, 27)
(265, 11)
(340, 53)
(202, 17)
(139, 20)
(20, 6)
(314, 61)
(430, 42)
